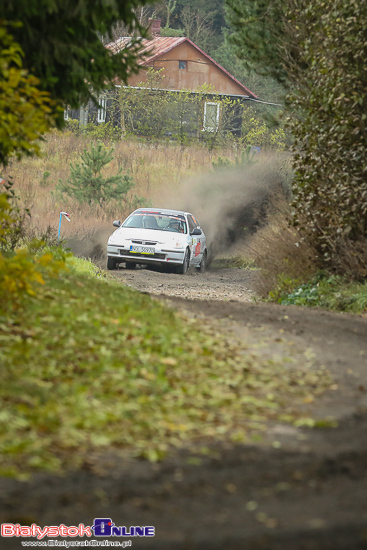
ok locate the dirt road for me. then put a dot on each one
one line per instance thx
(298, 489)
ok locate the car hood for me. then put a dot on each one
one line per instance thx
(127, 234)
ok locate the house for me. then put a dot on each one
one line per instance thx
(184, 66)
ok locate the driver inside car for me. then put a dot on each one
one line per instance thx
(175, 225)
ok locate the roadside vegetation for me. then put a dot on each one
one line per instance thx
(322, 290)
(88, 363)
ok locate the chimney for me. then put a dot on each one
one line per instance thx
(155, 27)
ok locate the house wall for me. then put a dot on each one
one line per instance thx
(199, 71)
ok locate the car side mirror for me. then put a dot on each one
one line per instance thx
(196, 231)
(116, 223)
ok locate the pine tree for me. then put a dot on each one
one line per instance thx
(86, 182)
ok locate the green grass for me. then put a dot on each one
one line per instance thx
(327, 291)
(87, 363)
(237, 262)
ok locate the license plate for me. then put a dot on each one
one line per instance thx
(142, 249)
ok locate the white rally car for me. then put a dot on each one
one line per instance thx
(158, 236)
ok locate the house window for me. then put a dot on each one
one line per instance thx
(182, 64)
(102, 104)
(211, 116)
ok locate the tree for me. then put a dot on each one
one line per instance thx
(197, 26)
(62, 48)
(259, 35)
(87, 183)
(319, 49)
(264, 86)
(331, 168)
(25, 111)
(144, 110)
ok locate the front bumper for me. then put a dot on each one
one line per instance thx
(160, 256)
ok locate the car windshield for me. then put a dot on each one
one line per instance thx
(157, 221)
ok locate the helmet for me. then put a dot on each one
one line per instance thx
(176, 225)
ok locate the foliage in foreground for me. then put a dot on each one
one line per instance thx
(323, 290)
(62, 45)
(88, 363)
(26, 112)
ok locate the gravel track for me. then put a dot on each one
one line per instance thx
(299, 489)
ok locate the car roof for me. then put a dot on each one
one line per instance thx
(161, 211)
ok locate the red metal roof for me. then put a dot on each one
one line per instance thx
(158, 46)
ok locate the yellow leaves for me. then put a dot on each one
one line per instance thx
(25, 111)
(168, 361)
(37, 277)
(22, 273)
(46, 259)
(177, 427)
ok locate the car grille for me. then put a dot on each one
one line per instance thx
(146, 243)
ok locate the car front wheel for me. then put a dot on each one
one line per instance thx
(182, 269)
(111, 263)
(202, 267)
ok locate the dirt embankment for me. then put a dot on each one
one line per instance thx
(297, 489)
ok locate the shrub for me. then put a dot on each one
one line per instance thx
(245, 158)
(86, 182)
(257, 133)
(12, 219)
(325, 290)
(285, 261)
(22, 271)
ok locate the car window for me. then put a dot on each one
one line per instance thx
(192, 224)
(133, 221)
(158, 221)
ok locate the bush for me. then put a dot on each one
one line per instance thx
(327, 291)
(22, 271)
(285, 261)
(257, 132)
(242, 160)
(12, 219)
(87, 183)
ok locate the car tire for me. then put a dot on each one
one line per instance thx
(111, 263)
(130, 265)
(182, 269)
(202, 267)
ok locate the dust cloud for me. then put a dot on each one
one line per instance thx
(231, 204)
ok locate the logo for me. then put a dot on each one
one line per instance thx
(104, 527)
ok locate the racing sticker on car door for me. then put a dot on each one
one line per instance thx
(197, 248)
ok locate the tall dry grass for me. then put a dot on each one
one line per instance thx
(283, 258)
(167, 174)
(155, 169)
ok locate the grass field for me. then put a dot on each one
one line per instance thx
(156, 168)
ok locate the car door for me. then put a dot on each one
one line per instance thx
(196, 247)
